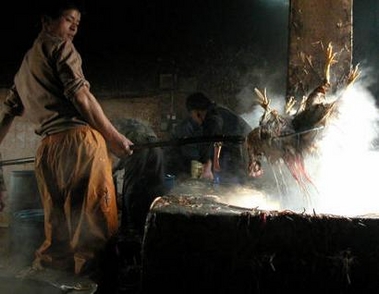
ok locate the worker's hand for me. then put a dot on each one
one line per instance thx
(207, 175)
(121, 147)
(207, 171)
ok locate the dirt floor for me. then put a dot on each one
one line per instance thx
(15, 278)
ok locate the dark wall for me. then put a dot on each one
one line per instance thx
(226, 45)
(366, 41)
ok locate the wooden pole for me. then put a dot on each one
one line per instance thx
(312, 25)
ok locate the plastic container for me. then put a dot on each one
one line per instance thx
(26, 235)
(169, 182)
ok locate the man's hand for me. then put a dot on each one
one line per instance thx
(121, 146)
(207, 171)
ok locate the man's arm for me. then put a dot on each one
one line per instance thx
(92, 112)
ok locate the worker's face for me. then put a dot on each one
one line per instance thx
(198, 116)
(66, 26)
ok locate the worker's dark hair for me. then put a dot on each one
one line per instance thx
(198, 101)
(54, 8)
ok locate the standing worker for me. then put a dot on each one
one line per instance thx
(73, 165)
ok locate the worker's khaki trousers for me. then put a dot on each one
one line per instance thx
(74, 174)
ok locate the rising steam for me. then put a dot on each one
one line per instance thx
(344, 169)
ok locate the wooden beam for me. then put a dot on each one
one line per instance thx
(312, 25)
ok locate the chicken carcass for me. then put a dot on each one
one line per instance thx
(288, 138)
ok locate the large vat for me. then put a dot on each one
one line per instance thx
(45, 282)
(195, 243)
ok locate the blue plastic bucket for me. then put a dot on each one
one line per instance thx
(23, 191)
(169, 182)
(26, 235)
